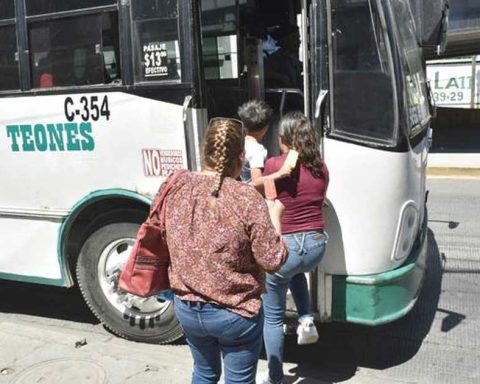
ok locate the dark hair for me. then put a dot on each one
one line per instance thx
(224, 142)
(255, 115)
(297, 133)
(284, 30)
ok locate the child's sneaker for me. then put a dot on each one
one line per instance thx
(306, 331)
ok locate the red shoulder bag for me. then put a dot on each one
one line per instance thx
(146, 270)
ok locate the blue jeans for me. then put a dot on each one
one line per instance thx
(212, 332)
(305, 251)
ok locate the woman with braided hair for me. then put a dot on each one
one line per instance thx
(222, 238)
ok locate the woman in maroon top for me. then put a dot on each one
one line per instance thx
(302, 194)
(221, 240)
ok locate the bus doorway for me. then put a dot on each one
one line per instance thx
(255, 50)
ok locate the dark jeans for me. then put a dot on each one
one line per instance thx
(213, 332)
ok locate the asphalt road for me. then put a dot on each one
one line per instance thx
(47, 329)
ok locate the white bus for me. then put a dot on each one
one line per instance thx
(101, 99)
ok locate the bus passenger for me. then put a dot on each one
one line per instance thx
(222, 236)
(44, 71)
(283, 68)
(302, 194)
(256, 117)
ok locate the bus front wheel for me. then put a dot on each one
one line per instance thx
(99, 264)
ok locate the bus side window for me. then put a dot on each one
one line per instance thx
(69, 51)
(219, 34)
(8, 64)
(8, 48)
(38, 7)
(156, 40)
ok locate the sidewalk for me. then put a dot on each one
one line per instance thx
(32, 352)
(37, 353)
(454, 165)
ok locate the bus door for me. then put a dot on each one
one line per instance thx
(238, 40)
(354, 104)
(369, 99)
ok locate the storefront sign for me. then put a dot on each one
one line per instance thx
(452, 84)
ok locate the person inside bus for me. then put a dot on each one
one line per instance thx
(44, 71)
(256, 117)
(222, 237)
(283, 69)
(302, 194)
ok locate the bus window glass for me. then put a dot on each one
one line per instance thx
(69, 51)
(156, 40)
(363, 92)
(150, 9)
(8, 64)
(111, 48)
(413, 68)
(7, 9)
(38, 7)
(219, 32)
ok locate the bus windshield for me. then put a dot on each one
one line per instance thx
(361, 74)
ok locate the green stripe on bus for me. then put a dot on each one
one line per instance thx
(32, 279)
(384, 297)
(77, 208)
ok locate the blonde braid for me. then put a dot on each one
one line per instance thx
(220, 157)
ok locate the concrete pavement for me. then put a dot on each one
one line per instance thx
(50, 354)
(47, 336)
(65, 355)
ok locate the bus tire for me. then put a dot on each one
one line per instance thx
(100, 260)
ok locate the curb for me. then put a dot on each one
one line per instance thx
(453, 172)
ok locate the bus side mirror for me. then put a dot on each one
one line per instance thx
(431, 17)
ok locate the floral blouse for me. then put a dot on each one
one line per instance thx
(220, 254)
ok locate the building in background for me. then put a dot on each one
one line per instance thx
(455, 82)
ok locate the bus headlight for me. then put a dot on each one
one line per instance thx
(406, 231)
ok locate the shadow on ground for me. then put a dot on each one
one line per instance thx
(336, 357)
(343, 348)
(45, 301)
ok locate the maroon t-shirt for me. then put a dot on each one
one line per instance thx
(302, 194)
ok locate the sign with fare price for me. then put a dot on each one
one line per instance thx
(155, 59)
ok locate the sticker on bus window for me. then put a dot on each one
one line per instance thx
(161, 162)
(155, 59)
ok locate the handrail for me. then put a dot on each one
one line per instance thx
(284, 92)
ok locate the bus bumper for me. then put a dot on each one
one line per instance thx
(384, 297)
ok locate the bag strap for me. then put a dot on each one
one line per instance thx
(159, 200)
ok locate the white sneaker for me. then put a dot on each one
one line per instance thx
(307, 332)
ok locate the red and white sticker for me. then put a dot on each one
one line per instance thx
(161, 162)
